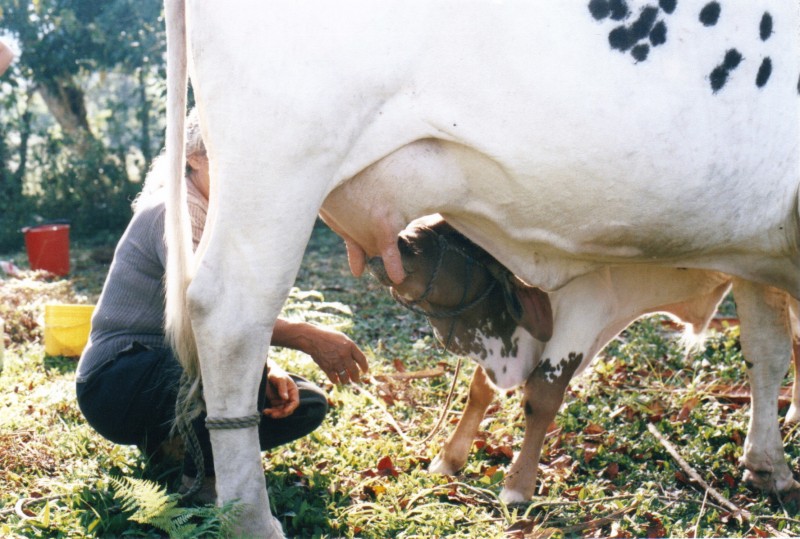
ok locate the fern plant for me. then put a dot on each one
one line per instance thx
(152, 505)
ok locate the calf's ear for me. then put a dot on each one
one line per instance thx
(529, 306)
(537, 314)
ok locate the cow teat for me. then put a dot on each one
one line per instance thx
(378, 270)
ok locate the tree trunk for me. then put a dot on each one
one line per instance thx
(67, 104)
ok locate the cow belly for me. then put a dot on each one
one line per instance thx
(546, 242)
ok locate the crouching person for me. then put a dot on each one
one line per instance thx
(128, 377)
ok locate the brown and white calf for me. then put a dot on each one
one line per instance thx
(520, 335)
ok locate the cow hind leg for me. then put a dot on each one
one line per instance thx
(793, 415)
(455, 451)
(766, 344)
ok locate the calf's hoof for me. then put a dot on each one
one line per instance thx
(441, 466)
(510, 497)
(793, 415)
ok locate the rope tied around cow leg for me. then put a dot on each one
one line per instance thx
(223, 423)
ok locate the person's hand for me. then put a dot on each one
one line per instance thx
(283, 397)
(6, 57)
(339, 357)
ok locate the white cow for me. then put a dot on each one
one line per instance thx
(560, 136)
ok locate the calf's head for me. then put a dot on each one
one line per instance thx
(476, 306)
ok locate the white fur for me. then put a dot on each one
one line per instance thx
(509, 371)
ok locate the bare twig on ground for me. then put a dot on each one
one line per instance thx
(424, 373)
(700, 516)
(389, 417)
(413, 375)
(19, 507)
(597, 523)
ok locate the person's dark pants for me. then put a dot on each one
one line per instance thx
(131, 400)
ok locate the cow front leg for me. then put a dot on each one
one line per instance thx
(231, 364)
(455, 451)
(543, 395)
(248, 259)
(767, 346)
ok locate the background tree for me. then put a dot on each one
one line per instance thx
(82, 111)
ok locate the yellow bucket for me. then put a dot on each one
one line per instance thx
(66, 328)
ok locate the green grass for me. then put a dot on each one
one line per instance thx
(603, 473)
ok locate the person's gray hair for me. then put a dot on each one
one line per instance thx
(194, 139)
(157, 175)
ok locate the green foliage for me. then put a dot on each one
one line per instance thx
(81, 113)
(62, 38)
(150, 504)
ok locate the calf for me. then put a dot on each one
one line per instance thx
(521, 335)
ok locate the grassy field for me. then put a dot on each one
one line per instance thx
(603, 473)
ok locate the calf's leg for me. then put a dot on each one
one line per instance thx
(543, 395)
(455, 451)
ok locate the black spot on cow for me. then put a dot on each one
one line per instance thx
(619, 9)
(640, 52)
(719, 76)
(765, 28)
(658, 35)
(528, 409)
(625, 38)
(618, 39)
(764, 71)
(668, 5)
(644, 24)
(602, 9)
(732, 59)
(709, 15)
(640, 35)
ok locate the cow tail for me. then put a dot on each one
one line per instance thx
(177, 229)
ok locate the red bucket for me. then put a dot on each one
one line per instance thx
(48, 247)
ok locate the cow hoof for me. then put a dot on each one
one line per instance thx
(439, 465)
(510, 497)
(766, 481)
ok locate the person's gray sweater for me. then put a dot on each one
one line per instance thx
(131, 305)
